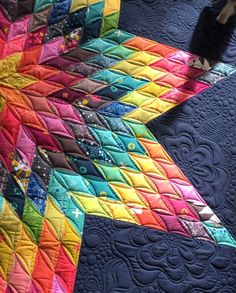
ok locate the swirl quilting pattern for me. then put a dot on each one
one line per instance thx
(117, 257)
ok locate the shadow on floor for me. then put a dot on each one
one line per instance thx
(211, 39)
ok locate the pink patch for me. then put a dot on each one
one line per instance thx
(25, 146)
(65, 272)
(182, 209)
(181, 57)
(35, 39)
(193, 87)
(19, 27)
(66, 112)
(173, 225)
(4, 26)
(56, 126)
(44, 140)
(18, 276)
(51, 50)
(165, 64)
(14, 46)
(64, 78)
(186, 71)
(59, 62)
(175, 95)
(6, 150)
(188, 192)
(57, 286)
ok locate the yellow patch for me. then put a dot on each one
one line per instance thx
(2, 103)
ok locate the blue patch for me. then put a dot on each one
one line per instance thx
(59, 11)
(36, 193)
(116, 109)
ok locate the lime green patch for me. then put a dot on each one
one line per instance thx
(33, 220)
(140, 130)
(111, 174)
(109, 23)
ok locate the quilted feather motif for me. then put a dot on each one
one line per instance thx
(75, 95)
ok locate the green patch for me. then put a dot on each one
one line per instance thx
(33, 220)
(140, 130)
(109, 23)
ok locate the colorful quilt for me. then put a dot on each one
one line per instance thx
(80, 166)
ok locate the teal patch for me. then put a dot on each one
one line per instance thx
(99, 45)
(94, 13)
(102, 189)
(119, 36)
(132, 145)
(220, 235)
(41, 4)
(1, 203)
(225, 69)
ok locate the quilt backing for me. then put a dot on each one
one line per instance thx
(77, 98)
